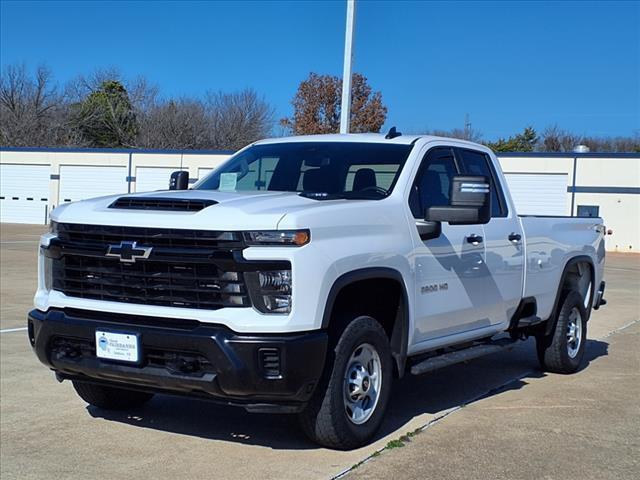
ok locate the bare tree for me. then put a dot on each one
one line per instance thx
(239, 118)
(175, 124)
(469, 134)
(30, 108)
(612, 144)
(555, 139)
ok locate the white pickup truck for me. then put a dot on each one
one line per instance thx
(304, 274)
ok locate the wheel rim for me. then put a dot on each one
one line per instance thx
(574, 332)
(362, 381)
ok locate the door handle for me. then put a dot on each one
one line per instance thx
(474, 239)
(514, 237)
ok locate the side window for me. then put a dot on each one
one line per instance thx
(479, 163)
(433, 182)
(589, 211)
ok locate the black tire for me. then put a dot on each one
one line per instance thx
(554, 349)
(325, 419)
(110, 398)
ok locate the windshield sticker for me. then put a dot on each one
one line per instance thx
(228, 182)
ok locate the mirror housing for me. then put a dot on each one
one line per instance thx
(470, 202)
(179, 180)
(428, 230)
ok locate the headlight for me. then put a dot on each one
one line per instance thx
(270, 290)
(53, 227)
(295, 238)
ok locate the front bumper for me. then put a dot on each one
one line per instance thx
(264, 372)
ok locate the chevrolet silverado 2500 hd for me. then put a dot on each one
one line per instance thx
(304, 274)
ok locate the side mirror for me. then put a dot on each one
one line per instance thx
(470, 202)
(179, 180)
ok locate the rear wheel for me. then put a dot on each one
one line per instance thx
(110, 398)
(563, 349)
(348, 405)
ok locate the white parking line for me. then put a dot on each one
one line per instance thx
(9, 330)
(18, 241)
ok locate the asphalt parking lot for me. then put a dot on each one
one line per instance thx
(46, 431)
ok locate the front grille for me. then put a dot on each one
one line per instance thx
(185, 268)
(101, 235)
(165, 204)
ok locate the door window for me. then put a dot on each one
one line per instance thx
(479, 163)
(432, 187)
(588, 211)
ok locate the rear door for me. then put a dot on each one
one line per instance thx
(503, 240)
(450, 277)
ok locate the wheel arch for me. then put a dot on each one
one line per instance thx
(567, 272)
(399, 337)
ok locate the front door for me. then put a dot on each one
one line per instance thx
(454, 288)
(503, 239)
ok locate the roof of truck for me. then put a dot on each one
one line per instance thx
(359, 137)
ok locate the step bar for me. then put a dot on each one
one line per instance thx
(458, 356)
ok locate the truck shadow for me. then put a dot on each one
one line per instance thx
(425, 395)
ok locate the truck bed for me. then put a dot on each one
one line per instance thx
(550, 242)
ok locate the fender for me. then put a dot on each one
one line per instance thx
(551, 321)
(400, 337)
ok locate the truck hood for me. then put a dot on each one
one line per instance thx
(231, 210)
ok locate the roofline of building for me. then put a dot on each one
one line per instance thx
(569, 154)
(115, 150)
(229, 152)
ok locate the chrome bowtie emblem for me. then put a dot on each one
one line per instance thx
(128, 252)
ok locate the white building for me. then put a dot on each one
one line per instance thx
(34, 180)
(580, 184)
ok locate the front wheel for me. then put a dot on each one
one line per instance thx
(348, 405)
(563, 349)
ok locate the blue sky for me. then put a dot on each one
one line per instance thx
(506, 64)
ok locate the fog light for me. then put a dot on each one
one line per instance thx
(277, 303)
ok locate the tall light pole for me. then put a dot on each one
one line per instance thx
(345, 109)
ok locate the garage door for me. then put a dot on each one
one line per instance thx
(152, 178)
(80, 182)
(539, 194)
(24, 193)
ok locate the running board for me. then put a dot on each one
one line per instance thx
(457, 356)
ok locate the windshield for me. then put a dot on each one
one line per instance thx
(320, 170)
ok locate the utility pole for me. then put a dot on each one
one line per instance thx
(467, 127)
(345, 109)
